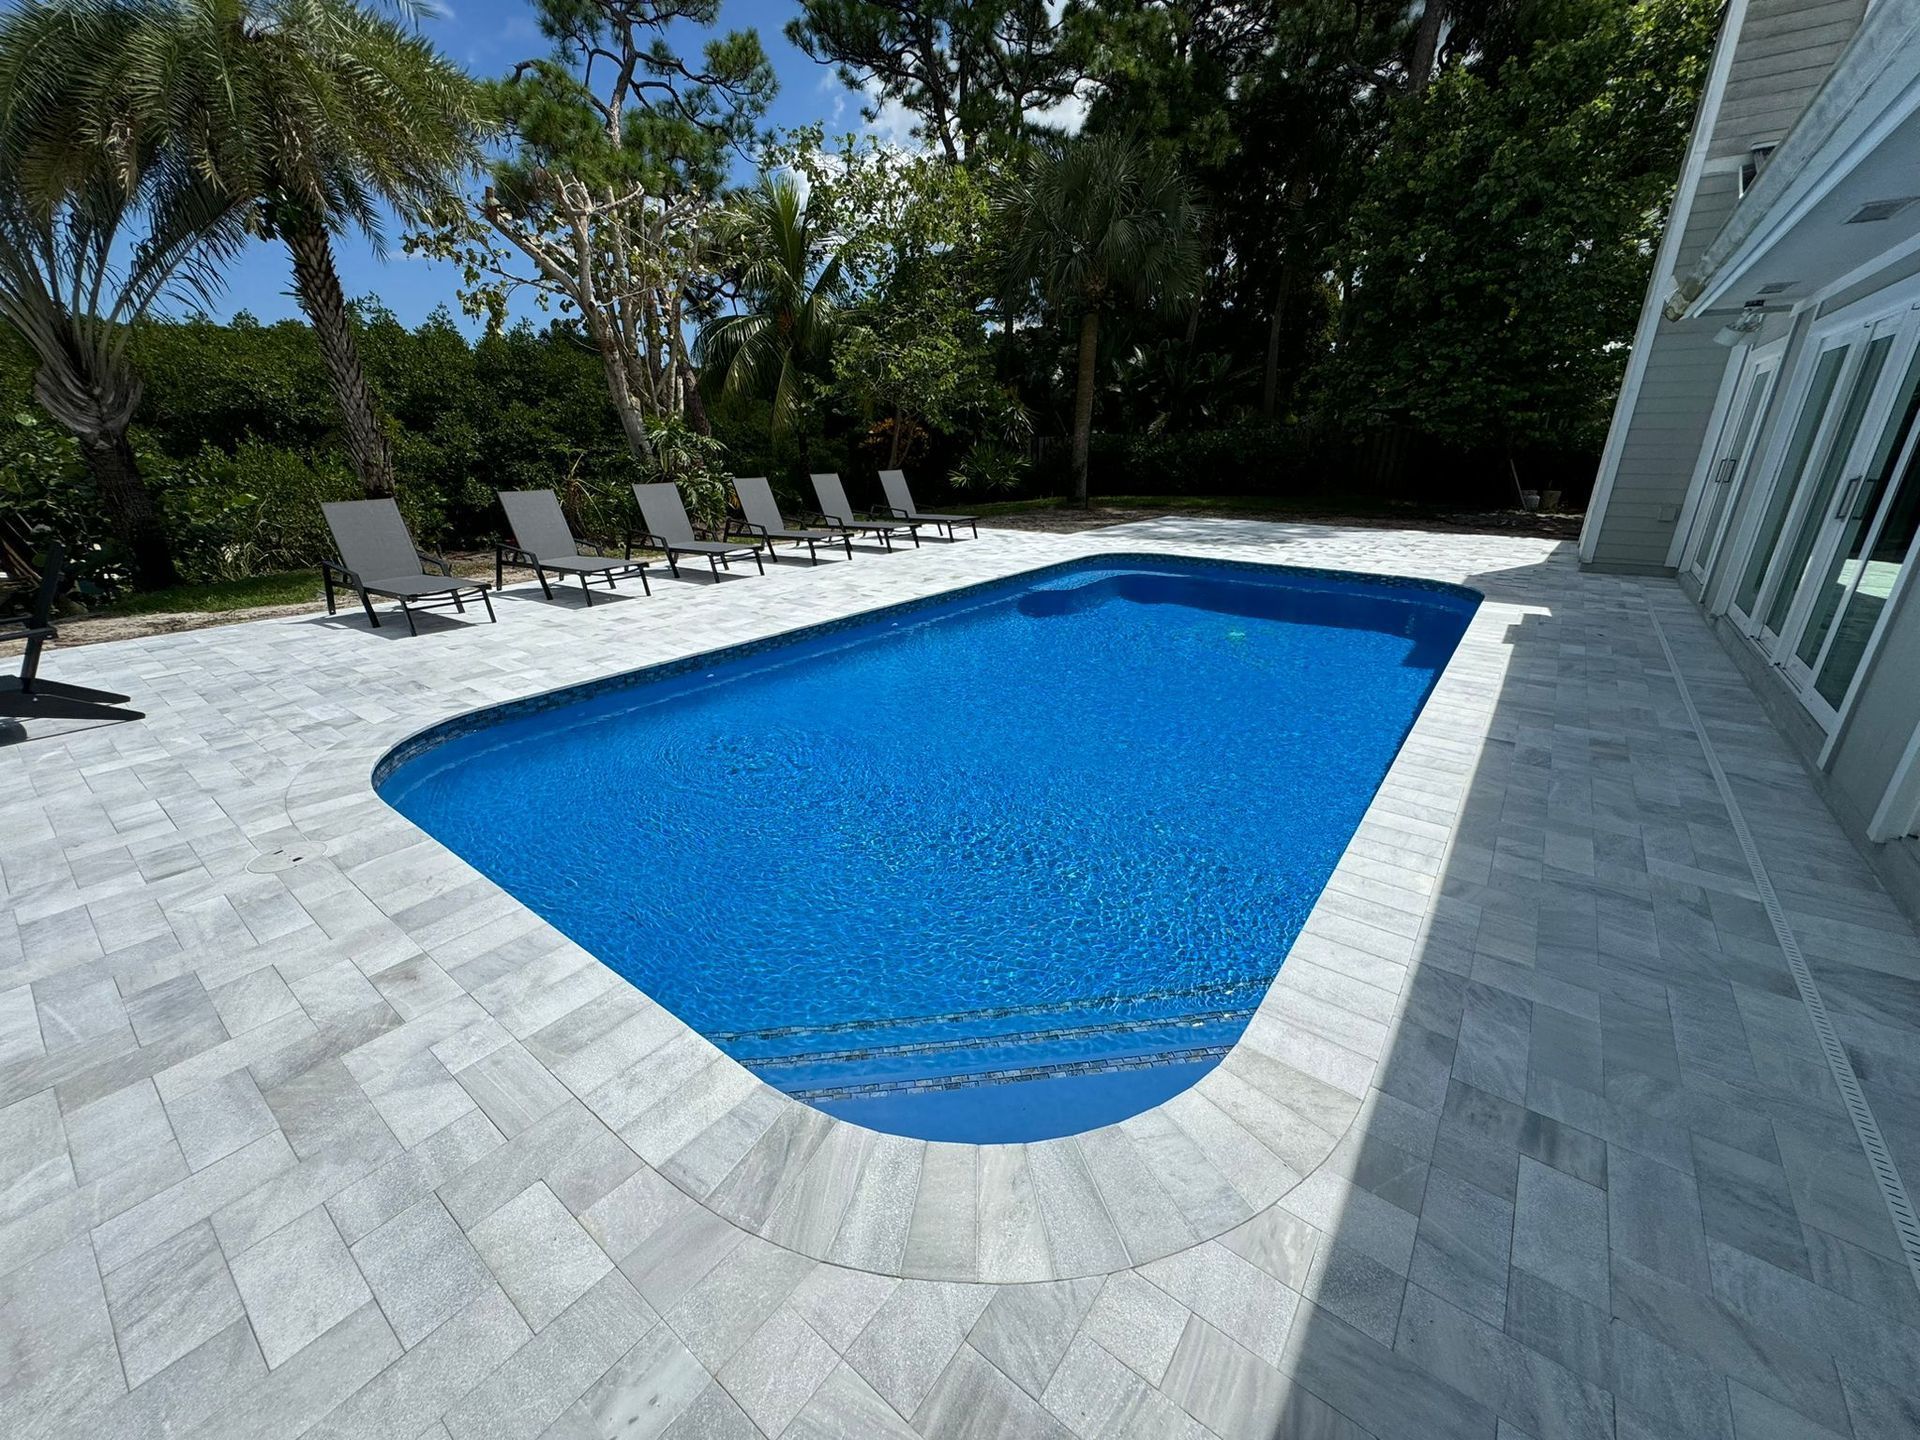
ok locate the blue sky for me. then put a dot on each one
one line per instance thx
(488, 36)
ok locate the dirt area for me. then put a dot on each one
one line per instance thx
(97, 629)
(94, 630)
(1068, 521)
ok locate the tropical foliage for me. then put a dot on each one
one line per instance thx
(310, 115)
(1101, 225)
(1318, 245)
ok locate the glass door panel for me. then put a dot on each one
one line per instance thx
(1813, 513)
(1890, 551)
(1729, 465)
(1786, 481)
(1853, 518)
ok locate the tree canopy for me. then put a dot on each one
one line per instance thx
(1282, 245)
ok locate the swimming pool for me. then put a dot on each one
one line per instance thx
(1011, 863)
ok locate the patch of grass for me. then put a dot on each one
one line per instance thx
(286, 587)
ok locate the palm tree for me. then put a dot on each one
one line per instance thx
(1099, 223)
(63, 288)
(313, 115)
(792, 291)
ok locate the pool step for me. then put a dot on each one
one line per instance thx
(950, 1060)
(1237, 996)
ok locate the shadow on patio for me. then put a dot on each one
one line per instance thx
(1606, 1184)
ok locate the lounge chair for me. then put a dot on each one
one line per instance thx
(668, 530)
(764, 520)
(378, 557)
(838, 514)
(901, 507)
(28, 697)
(543, 541)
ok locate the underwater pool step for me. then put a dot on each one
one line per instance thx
(1015, 1075)
(1167, 1003)
(961, 1045)
(996, 1058)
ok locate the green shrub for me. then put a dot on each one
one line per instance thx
(1248, 458)
(46, 495)
(992, 466)
(258, 510)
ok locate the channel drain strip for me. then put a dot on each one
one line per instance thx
(1892, 1191)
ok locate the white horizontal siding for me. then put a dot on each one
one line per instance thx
(1782, 56)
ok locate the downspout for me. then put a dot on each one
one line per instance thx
(1665, 263)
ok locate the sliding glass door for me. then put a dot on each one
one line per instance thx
(1834, 530)
(1810, 428)
(1739, 439)
(1860, 554)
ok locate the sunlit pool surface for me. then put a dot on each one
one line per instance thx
(1008, 865)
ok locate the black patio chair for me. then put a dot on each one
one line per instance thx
(378, 557)
(28, 697)
(900, 506)
(765, 522)
(837, 514)
(663, 514)
(544, 541)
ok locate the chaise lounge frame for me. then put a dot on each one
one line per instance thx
(372, 532)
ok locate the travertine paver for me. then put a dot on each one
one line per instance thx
(305, 1128)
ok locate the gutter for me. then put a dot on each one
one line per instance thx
(1873, 88)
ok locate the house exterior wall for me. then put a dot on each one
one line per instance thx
(1782, 53)
(1856, 768)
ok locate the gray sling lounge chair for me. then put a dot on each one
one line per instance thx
(27, 696)
(765, 521)
(543, 541)
(378, 557)
(838, 514)
(668, 530)
(901, 507)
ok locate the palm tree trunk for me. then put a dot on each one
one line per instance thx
(130, 512)
(318, 286)
(1083, 402)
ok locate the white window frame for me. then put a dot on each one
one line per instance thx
(1901, 300)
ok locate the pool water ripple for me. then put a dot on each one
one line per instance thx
(1040, 847)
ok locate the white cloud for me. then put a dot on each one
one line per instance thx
(835, 92)
(893, 123)
(1068, 114)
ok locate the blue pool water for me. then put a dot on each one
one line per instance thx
(1012, 864)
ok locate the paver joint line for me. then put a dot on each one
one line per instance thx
(1892, 1190)
(1531, 1135)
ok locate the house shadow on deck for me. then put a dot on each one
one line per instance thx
(1605, 1184)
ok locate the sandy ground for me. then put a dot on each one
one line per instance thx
(98, 629)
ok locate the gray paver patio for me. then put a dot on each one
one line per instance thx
(305, 1128)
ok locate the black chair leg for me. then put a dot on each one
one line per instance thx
(487, 600)
(39, 705)
(407, 610)
(366, 603)
(53, 689)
